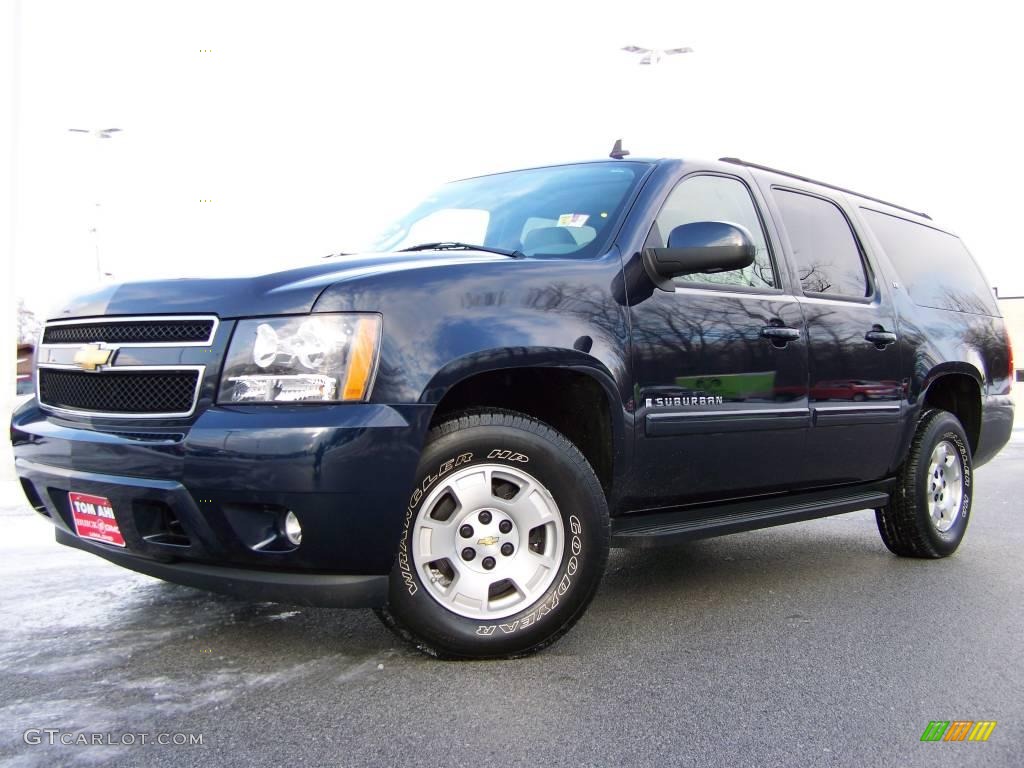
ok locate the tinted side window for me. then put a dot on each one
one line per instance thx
(934, 266)
(827, 256)
(717, 198)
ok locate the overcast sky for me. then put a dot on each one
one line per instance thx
(307, 124)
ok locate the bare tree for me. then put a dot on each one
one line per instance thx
(28, 324)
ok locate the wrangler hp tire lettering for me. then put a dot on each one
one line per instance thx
(505, 539)
(930, 506)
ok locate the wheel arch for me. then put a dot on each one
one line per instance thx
(957, 388)
(570, 390)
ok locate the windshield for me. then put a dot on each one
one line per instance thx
(566, 210)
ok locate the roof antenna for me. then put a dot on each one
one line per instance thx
(618, 152)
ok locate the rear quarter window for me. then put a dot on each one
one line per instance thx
(934, 266)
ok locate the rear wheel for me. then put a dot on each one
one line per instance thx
(505, 541)
(930, 507)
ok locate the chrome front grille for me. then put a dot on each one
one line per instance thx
(124, 367)
(178, 330)
(136, 393)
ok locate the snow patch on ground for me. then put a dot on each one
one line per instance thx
(284, 616)
(90, 647)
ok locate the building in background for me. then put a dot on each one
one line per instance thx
(1012, 308)
(26, 359)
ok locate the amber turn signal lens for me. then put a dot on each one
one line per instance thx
(360, 369)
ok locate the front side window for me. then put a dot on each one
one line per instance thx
(566, 210)
(716, 198)
(826, 252)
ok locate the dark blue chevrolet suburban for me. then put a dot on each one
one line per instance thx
(528, 368)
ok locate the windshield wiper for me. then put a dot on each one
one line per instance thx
(457, 246)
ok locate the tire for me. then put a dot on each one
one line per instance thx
(451, 607)
(938, 462)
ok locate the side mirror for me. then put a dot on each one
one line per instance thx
(699, 247)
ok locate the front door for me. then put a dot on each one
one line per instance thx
(720, 365)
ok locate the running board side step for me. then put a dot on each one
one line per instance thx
(648, 529)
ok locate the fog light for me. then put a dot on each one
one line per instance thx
(292, 528)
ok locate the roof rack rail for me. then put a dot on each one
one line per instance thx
(738, 161)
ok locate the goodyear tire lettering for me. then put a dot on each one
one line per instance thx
(542, 610)
(954, 438)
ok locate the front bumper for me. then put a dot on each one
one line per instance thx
(321, 589)
(190, 500)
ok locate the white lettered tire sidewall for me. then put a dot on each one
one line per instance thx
(945, 428)
(503, 438)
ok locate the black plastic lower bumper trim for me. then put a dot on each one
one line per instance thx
(313, 589)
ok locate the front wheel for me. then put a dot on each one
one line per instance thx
(505, 539)
(930, 506)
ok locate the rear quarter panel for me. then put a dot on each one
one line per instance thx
(938, 342)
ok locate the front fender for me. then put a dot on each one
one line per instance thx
(533, 362)
(489, 360)
(441, 322)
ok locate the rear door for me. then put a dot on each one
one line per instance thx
(720, 363)
(855, 392)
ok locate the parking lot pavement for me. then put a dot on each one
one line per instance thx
(803, 645)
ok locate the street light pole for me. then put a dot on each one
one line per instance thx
(655, 56)
(102, 133)
(646, 85)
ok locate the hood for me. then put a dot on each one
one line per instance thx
(292, 292)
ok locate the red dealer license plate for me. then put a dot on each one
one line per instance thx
(94, 518)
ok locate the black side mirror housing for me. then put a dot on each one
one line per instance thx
(699, 247)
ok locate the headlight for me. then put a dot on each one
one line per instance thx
(316, 358)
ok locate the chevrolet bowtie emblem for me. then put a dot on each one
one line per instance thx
(487, 541)
(92, 356)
